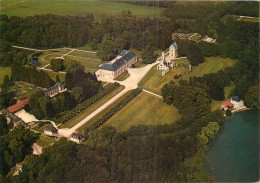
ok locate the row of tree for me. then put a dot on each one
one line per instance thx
(85, 104)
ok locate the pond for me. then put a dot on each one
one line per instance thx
(234, 153)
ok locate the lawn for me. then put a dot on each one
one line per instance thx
(79, 7)
(4, 71)
(86, 47)
(84, 54)
(92, 108)
(123, 76)
(86, 62)
(44, 141)
(139, 64)
(154, 81)
(99, 115)
(48, 56)
(144, 109)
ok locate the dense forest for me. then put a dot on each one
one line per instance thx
(142, 153)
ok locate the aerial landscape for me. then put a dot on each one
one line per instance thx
(129, 91)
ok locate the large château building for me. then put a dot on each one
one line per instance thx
(116, 67)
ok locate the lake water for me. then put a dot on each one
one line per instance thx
(234, 153)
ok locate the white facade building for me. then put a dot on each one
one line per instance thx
(237, 102)
(116, 67)
(168, 61)
(76, 137)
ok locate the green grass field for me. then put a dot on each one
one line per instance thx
(154, 81)
(84, 54)
(44, 141)
(78, 7)
(144, 109)
(92, 108)
(4, 71)
(86, 47)
(86, 62)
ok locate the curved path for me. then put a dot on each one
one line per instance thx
(136, 74)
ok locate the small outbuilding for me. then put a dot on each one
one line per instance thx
(237, 102)
(76, 137)
(50, 130)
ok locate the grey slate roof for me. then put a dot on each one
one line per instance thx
(126, 57)
(51, 129)
(236, 98)
(56, 86)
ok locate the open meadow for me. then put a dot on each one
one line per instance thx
(78, 7)
(154, 81)
(145, 109)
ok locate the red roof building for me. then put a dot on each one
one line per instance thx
(226, 104)
(18, 106)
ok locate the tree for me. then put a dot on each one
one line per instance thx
(148, 56)
(57, 65)
(3, 126)
(72, 65)
(194, 54)
(57, 78)
(77, 93)
(46, 106)
(252, 97)
(105, 50)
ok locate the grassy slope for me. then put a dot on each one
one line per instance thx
(154, 81)
(4, 71)
(86, 62)
(90, 109)
(144, 109)
(77, 7)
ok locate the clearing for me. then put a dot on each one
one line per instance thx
(79, 7)
(144, 109)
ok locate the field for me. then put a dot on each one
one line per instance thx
(44, 141)
(154, 81)
(90, 109)
(144, 109)
(88, 63)
(4, 71)
(79, 7)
